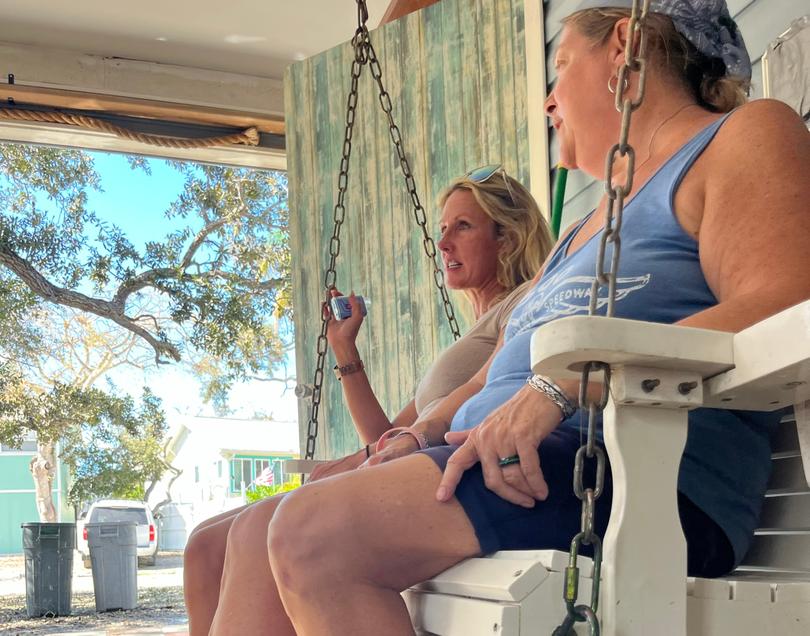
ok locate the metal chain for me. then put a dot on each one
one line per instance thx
(364, 54)
(410, 183)
(606, 276)
(360, 44)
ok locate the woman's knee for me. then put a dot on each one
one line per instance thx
(247, 536)
(308, 539)
(205, 548)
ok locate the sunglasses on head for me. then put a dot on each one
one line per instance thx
(485, 173)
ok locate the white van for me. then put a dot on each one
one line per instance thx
(112, 510)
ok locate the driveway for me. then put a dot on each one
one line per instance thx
(160, 602)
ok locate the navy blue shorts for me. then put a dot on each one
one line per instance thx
(551, 524)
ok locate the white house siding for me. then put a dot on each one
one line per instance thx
(202, 448)
(760, 21)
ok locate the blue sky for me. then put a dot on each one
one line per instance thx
(136, 202)
(133, 200)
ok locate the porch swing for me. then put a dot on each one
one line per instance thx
(653, 374)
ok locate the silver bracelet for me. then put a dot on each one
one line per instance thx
(549, 388)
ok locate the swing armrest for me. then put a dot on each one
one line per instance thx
(764, 368)
(303, 466)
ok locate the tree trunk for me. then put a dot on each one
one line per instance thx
(43, 469)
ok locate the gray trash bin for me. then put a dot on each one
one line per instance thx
(48, 551)
(114, 559)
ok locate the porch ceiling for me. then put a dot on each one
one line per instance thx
(253, 37)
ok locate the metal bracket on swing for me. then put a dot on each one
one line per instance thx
(364, 53)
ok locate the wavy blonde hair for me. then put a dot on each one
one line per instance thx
(520, 225)
(705, 77)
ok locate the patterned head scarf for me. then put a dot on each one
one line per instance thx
(707, 24)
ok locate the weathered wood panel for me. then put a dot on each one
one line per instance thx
(456, 75)
(760, 21)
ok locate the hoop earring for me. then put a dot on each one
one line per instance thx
(612, 89)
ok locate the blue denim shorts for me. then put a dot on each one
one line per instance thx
(551, 524)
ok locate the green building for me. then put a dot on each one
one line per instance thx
(17, 498)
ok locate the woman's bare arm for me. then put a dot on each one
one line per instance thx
(755, 232)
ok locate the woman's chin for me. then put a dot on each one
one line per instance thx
(453, 281)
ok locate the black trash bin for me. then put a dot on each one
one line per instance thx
(48, 568)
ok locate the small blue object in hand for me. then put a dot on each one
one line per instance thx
(341, 309)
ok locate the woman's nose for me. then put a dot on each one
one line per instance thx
(444, 243)
(550, 105)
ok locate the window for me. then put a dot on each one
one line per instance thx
(261, 464)
(28, 446)
(241, 471)
(247, 469)
(219, 468)
(196, 474)
(278, 473)
(111, 515)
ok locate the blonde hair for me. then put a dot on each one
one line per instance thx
(519, 225)
(705, 77)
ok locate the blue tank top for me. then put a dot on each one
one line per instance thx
(726, 462)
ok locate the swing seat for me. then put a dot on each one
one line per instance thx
(644, 588)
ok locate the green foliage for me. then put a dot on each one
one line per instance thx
(258, 493)
(214, 288)
(111, 444)
(218, 283)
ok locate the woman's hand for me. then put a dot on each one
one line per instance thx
(337, 466)
(515, 428)
(400, 446)
(342, 334)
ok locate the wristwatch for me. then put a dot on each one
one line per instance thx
(348, 369)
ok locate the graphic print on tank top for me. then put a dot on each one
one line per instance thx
(566, 293)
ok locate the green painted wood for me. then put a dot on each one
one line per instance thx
(456, 75)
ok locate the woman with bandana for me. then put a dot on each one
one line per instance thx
(715, 235)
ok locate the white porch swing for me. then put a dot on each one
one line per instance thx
(644, 589)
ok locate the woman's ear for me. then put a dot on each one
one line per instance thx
(617, 43)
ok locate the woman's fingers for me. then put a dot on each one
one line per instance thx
(357, 314)
(463, 458)
(457, 438)
(515, 489)
(531, 472)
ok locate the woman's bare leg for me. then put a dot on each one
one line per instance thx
(248, 599)
(343, 549)
(203, 560)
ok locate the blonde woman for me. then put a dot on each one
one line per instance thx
(493, 240)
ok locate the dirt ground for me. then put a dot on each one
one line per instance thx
(160, 602)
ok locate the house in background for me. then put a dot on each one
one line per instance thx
(17, 496)
(219, 458)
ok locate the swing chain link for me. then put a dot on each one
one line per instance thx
(634, 62)
(364, 54)
(359, 42)
(410, 183)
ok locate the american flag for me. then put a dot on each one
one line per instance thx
(265, 478)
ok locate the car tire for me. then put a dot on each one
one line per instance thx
(86, 562)
(149, 561)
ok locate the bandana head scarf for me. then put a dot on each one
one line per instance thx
(707, 24)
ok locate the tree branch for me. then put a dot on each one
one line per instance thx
(111, 310)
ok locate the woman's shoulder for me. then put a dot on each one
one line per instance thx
(760, 126)
(503, 309)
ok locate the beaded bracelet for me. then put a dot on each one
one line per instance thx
(549, 388)
(393, 433)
